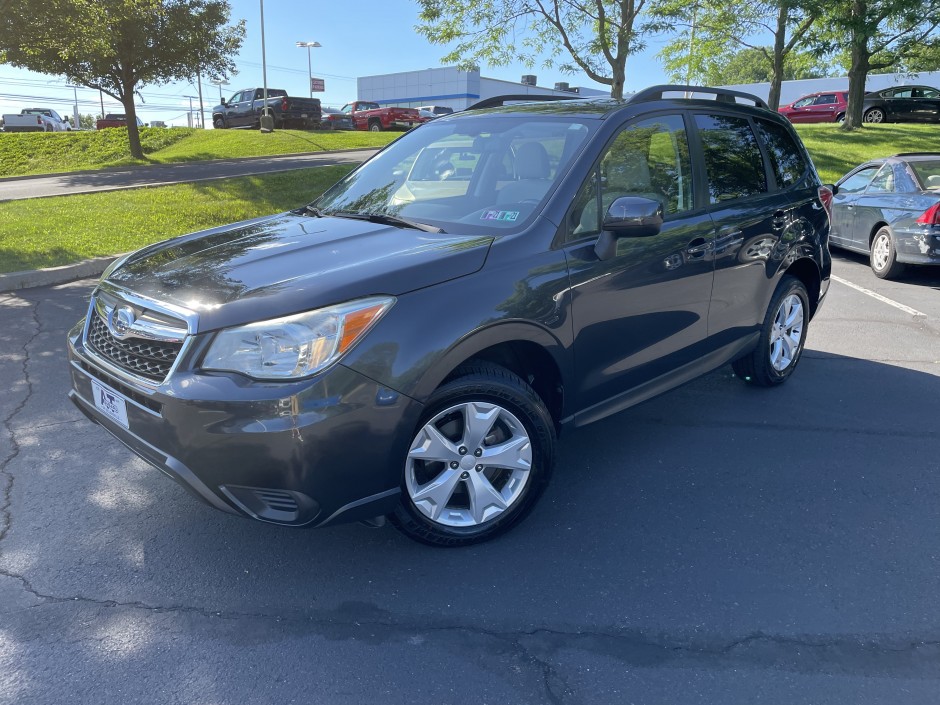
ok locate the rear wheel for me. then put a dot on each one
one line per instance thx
(480, 458)
(884, 256)
(874, 115)
(782, 337)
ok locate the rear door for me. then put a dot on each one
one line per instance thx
(926, 104)
(643, 312)
(824, 108)
(749, 215)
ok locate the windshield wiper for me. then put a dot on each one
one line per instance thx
(316, 212)
(387, 219)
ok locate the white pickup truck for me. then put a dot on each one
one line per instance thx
(36, 120)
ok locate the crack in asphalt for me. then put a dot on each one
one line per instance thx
(540, 646)
(6, 477)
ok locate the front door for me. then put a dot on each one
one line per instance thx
(850, 188)
(642, 312)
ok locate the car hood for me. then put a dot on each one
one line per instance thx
(288, 263)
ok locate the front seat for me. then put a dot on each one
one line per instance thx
(533, 175)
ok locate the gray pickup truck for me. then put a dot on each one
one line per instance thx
(244, 109)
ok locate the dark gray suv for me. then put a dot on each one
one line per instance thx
(411, 344)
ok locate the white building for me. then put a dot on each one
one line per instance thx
(451, 87)
(791, 90)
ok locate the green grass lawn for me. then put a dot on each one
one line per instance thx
(52, 231)
(46, 232)
(836, 152)
(26, 153)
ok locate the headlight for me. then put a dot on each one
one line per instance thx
(295, 346)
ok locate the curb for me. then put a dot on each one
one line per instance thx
(13, 281)
(135, 167)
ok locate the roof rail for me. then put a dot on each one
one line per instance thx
(499, 100)
(722, 95)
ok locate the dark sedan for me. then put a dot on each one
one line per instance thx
(332, 119)
(902, 104)
(889, 209)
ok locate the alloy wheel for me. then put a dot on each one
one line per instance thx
(787, 333)
(468, 464)
(880, 252)
(874, 115)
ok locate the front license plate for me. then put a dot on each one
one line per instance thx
(110, 403)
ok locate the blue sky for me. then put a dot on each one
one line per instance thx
(359, 38)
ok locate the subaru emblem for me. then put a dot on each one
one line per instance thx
(120, 321)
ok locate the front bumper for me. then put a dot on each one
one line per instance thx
(319, 451)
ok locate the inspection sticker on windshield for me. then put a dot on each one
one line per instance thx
(499, 215)
(110, 403)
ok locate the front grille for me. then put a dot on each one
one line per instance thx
(111, 381)
(146, 358)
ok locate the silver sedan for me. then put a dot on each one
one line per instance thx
(889, 209)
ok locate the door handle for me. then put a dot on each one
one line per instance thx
(698, 247)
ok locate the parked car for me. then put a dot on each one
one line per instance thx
(244, 109)
(332, 119)
(36, 120)
(902, 104)
(412, 343)
(425, 115)
(889, 209)
(436, 110)
(828, 106)
(373, 117)
(115, 120)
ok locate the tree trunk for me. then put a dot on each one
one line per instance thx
(133, 134)
(858, 71)
(776, 74)
(618, 78)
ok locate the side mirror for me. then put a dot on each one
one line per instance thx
(832, 187)
(628, 216)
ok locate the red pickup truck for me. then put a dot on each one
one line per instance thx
(115, 120)
(369, 116)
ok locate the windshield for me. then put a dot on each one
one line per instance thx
(465, 175)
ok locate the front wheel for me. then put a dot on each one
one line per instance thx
(218, 122)
(884, 256)
(782, 337)
(481, 456)
(840, 118)
(875, 115)
(375, 126)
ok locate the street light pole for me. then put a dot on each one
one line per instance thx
(264, 122)
(309, 46)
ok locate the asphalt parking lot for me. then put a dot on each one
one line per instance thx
(719, 544)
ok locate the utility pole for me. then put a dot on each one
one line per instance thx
(266, 122)
(101, 97)
(202, 111)
(190, 109)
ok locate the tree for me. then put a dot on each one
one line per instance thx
(711, 27)
(879, 34)
(86, 121)
(748, 66)
(596, 35)
(118, 46)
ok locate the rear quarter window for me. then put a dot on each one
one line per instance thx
(786, 158)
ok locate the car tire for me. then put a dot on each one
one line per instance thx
(782, 337)
(883, 256)
(840, 118)
(442, 496)
(375, 126)
(874, 115)
(218, 123)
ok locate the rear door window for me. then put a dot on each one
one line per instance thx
(733, 161)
